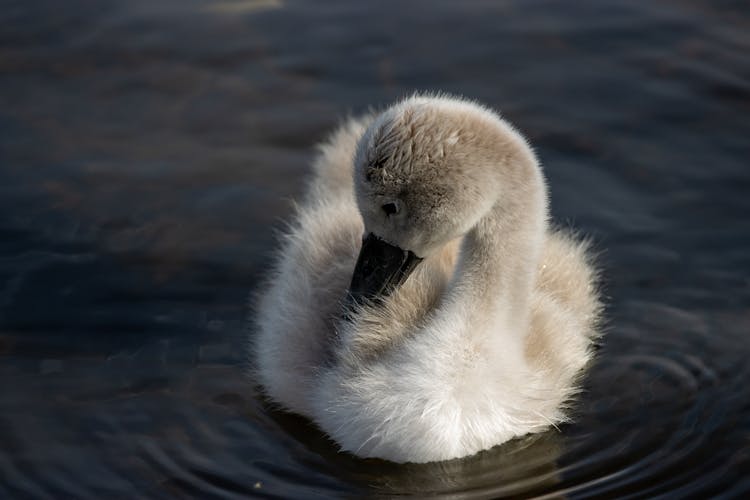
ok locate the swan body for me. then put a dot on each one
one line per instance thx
(482, 342)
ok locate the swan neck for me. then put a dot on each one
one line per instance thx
(500, 258)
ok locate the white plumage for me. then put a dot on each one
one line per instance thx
(486, 338)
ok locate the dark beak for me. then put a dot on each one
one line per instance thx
(381, 268)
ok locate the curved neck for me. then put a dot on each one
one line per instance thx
(496, 273)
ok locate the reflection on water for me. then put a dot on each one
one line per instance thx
(149, 150)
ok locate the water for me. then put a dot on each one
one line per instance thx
(148, 152)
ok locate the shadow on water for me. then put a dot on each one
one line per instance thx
(524, 466)
(149, 151)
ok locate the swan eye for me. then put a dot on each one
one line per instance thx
(390, 208)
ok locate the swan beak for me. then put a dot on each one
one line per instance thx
(381, 268)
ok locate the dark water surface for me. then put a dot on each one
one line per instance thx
(149, 150)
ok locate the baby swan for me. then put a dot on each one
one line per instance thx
(421, 309)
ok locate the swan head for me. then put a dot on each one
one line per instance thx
(425, 172)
